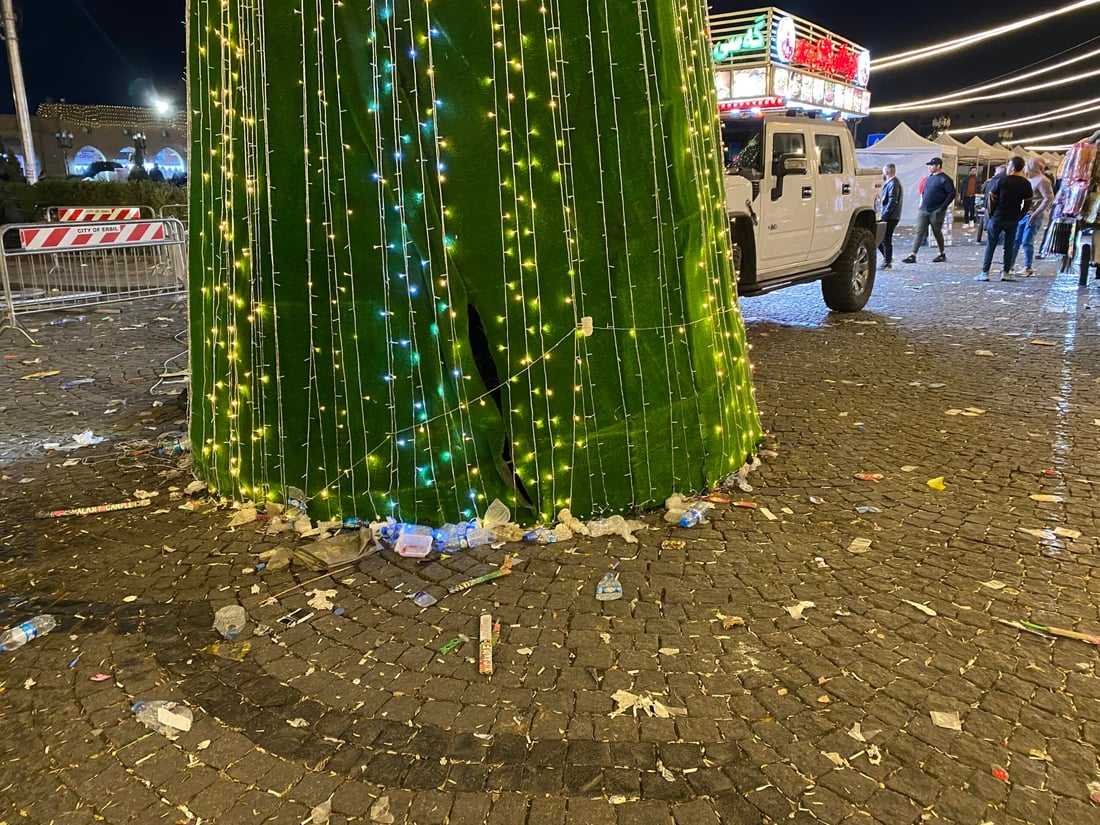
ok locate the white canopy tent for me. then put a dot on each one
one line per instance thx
(910, 153)
(992, 153)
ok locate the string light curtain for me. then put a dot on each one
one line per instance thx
(444, 252)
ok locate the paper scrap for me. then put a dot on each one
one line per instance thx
(994, 584)
(983, 352)
(923, 608)
(860, 735)
(380, 811)
(949, 720)
(768, 514)
(837, 759)
(668, 651)
(797, 609)
(524, 651)
(936, 483)
(321, 599)
(1067, 533)
(1039, 343)
(908, 468)
(1045, 497)
(874, 755)
(732, 621)
(648, 705)
(859, 546)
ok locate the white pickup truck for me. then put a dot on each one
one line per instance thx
(799, 208)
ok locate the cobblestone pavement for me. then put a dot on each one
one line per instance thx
(361, 706)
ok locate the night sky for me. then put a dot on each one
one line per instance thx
(99, 51)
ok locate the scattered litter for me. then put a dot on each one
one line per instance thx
(524, 651)
(380, 811)
(609, 587)
(668, 651)
(870, 476)
(203, 745)
(1094, 792)
(972, 411)
(68, 385)
(232, 651)
(865, 509)
(994, 584)
(246, 515)
(167, 718)
(617, 799)
(296, 617)
(277, 558)
(1041, 755)
(423, 598)
(1062, 632)
(229, 621)
(949, 720)
(797, 609)
(1040, 343)
(768, 514)
(859, 545)
(100, 508)
(730, 621)
(615, 526)
(820, 562)
(984, 353)
(923, 608)
(874, 755)
(837, 759)
(1045, 497)
(908, 468)
(343, 548)
(88, 439)
(321, 599)
(29, 683)
(194, 487)
(647, 704)
(714, 498)
(673, 544)
(485, 645)
(297, 723)
(129, 599)
(321, 813)
(860, 735)
(748, 505)
(952, 412)
(100, 677)
(34, 376)
(936, 483)
(816, 500)
(666, 774)
(1067, 533)
(505, 569)
(1000, 773)
(454, 644)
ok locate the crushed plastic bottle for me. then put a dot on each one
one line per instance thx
(174, 446)
(696, 515)
(15, 637)
(540, 535)
(168, 718)
(229, 621)
(609, 587)
(451, 538)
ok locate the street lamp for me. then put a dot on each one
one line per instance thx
(940, 125)
(64, 143)
(1004, 137)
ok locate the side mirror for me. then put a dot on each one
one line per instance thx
(787, 164)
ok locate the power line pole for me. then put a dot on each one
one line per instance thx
(19, 92)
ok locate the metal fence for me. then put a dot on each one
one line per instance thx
(177, 211)
(47, 266)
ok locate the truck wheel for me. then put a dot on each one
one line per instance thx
(849, 286)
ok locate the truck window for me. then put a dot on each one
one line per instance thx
(830, 160)
(742, 144)
(786, 143)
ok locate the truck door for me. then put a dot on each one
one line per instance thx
(787, 200)
(832, 200)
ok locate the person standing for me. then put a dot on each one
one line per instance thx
(891, 212)
(970, 196)
(937, 197)
(1009, 201)
(1042, 198)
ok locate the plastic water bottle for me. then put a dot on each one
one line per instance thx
(540, 535)
(168, 718)
(696, 515)
(15, 637)
(454, 537)
(174, 446)
(230, 621)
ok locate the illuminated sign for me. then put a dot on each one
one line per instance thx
(750, 40)
(785, 40)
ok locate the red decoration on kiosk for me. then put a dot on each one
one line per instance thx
(827, 57)
(756, 103)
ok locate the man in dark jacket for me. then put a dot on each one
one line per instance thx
(937, 198)
(891, 212)
(1009, 201)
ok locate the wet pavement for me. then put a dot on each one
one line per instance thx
(991, 386)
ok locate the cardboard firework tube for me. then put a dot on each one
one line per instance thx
(485, 645)
(99, 508)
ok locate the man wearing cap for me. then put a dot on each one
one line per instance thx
(937, 197)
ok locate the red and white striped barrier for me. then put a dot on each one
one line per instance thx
(69, 214)
(93, 234)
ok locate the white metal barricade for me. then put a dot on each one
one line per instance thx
(79, 214)
(54, 265)
(177, 211)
